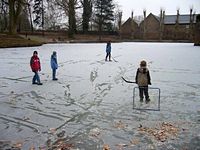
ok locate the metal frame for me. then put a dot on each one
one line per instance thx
(146, 108)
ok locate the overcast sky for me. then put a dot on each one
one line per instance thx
(154, 6)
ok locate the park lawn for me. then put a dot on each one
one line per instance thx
(16, 41)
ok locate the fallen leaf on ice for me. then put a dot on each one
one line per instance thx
(17, 145)
(122, 145)
(52, 130)
(120, 125)
(66, 146)
(32, 148)
(95, 132)
(106, 147)
(134, 141)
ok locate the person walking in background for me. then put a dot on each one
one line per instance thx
(54, 65)
(35, 66)
(143, 79)
(108, 51)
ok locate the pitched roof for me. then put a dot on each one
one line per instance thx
(128, 21)
(158, 18)
(183, 19)
(169, 19)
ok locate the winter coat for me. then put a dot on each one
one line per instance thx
(54, 64)
(108, 48)
(35, 63)
(143, 77)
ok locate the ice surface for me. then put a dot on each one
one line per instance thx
(91, 96)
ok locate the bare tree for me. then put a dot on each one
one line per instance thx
(28, 2)
(24, 22)
(117, 17)
(53, 16)
(69, 7)
(3, 15)
(15, 9)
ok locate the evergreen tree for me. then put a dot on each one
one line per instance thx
(104, 15)
(87, 13)
(39, 13)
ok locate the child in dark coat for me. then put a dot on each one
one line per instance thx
(54, 65)
(143, 79)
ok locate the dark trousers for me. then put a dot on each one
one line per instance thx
(36, 77)
(108, 54)
(143, 91)
(54, 73)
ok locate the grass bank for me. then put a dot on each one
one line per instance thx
(7, 41)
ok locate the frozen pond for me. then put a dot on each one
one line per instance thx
(91, 106)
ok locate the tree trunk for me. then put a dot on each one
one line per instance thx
(15, 8)
(30, 16)
(72, 19)
(3, 8)
(11, 16)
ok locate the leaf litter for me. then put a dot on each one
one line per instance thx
(164, 132)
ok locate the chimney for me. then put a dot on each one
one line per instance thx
(161, 11)
(191, 15)
(177, 17)
(161, 17)
(132, 30)
(144, 28)
(144, 12)
(132, 15)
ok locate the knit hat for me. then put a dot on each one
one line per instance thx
(35, 52)
(143, 63)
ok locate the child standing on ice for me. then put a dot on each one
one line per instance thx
(35, 66)
(108, 51)
(54, 65)
(143, 79)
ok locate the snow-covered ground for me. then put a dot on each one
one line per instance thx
(90, 105)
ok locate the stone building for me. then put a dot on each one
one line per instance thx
(149, 28)
(179, 27)
(164, 27)
(129, 29)
(197, 31)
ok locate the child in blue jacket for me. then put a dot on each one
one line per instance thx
(108, 51)
(54, 65)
